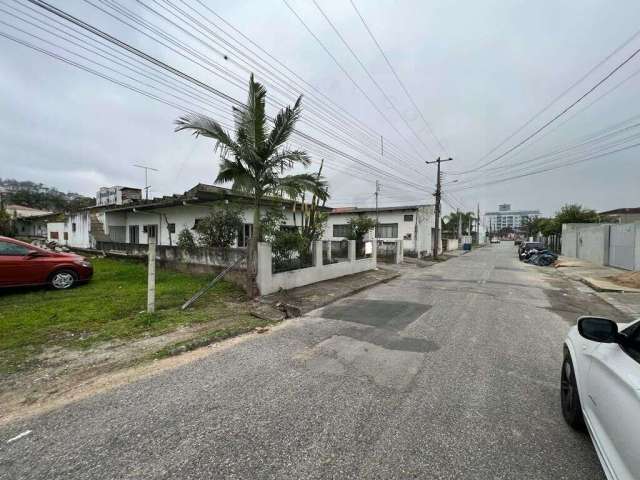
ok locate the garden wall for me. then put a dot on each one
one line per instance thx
(269, 282)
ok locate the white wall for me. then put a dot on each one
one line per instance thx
(269, 282)
(183, 216)
(419, 228)
(60, 228)
(80, 238)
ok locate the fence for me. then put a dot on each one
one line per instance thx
(617, 245)
(553, 243)
(323, 268)
(198, 260)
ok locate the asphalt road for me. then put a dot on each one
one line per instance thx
(447, 372)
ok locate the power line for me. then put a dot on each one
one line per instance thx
(565, 110)
(346, 73)
(371, 77)
(397, 77)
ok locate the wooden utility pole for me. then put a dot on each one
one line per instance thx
(151, 274)
(436, 239)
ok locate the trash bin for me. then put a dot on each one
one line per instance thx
(466, 247)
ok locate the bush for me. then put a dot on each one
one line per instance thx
(220, 228)
(186, 241)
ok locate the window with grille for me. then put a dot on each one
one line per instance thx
(341, 230)
(387, 230)
(408, 218)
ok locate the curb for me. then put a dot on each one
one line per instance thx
(328, 300)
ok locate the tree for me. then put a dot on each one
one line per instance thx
(6, 222)
(255, 160)
(186, 241)
(312, 220)
(450, 226)
(358, 228)
(220, 228)
(574, 213)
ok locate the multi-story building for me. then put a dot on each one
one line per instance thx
(414, 224)
(506, 218)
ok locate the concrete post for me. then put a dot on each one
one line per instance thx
(317, 253)
(399, 251)
(264, 268)
(352, 250)
(151, 276)
(329, 251)
(374, 251)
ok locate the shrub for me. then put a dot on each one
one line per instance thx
(220, 228)
(186, 241)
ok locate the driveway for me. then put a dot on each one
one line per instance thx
(446, 372)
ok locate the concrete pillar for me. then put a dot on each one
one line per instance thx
(329, 251)
(264, 268)
(399, 251)
(317, 253)
(151, 276)
(374, 251)
(352, 250)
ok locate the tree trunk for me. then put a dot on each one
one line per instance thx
(252, 254)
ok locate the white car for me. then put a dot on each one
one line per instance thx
(600, 387)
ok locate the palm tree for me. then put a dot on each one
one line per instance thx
(255, 161)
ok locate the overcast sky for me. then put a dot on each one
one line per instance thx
(477, 71)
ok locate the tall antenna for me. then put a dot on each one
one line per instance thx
(146, 179)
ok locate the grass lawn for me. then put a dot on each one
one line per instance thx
(110, 306)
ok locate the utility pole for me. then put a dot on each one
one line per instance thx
(146, 179)
(478, 224)
(438, 194)
(459, 227)
(377, 219)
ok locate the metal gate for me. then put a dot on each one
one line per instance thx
(622, 246)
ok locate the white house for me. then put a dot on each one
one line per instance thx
(414, 224)
(132, 221)
(29, 222)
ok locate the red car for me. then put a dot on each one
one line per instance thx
(23, 264)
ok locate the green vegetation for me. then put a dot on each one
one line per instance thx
(256, 159)
(570, 213)
(37, 195)
(110, 307)
(220, 228)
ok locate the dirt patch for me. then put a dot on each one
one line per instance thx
(78, 387)
(630, 279)
(59, 373)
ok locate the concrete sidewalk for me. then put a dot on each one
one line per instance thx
(623, 298)
(301, 300)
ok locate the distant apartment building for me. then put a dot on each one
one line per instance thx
(117, 196)
(505, 217)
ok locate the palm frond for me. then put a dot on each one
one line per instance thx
(207, 127)
(283, 127)
(295, 185)
(254, 116)
(288, 158)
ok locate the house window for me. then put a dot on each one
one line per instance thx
(387, 230)
(150, 230)
(196, 223)
(408, 218)
(73, 227)
(134, 233)
(54, 235)
(245, 234)
(65, 235)
(171, 227)
(341, 230)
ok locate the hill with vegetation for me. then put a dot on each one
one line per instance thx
(40, 196)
